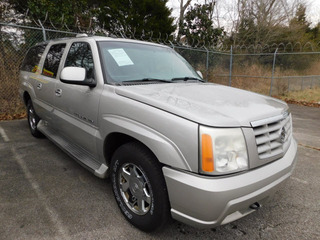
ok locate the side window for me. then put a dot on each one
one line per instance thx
(51, 64)
(80, 55)
(32, 59)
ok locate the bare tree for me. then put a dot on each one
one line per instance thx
(262, 21)
(183, 7)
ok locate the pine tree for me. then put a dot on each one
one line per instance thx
(198, 26)
(149, 18)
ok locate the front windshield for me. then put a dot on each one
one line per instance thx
(123, 61)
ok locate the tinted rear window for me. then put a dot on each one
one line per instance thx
(53, 58)
(32, 59)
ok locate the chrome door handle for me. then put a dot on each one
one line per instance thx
(39, 86)
(58, 92)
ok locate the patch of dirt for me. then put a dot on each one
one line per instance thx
(301, 103)
(7, 116)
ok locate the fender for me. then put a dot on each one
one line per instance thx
(164, 149)
(26, 86)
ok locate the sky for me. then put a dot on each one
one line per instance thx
(313, 10)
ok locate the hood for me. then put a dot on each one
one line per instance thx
(206, 103)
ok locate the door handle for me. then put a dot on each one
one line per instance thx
(58, 92)
(39, 86)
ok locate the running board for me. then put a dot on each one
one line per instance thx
(74, 151)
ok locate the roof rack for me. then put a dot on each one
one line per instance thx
(82, 35)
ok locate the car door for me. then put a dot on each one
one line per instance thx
(44, 81)
(76, 107)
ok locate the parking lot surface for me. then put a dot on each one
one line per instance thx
(44, 194)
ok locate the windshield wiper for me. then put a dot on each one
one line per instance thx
(147, 80)
(187, 79)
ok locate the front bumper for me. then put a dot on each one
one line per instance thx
(206, 202)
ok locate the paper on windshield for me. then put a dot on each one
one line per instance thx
(120, 56)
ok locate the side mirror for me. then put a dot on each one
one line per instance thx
(75, 75)
(200, 74)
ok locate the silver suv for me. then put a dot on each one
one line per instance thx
(172, 144)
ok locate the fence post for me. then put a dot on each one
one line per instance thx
(302, 83)
(43, 31)
(207, 64)
(230, 70)
(273, 66)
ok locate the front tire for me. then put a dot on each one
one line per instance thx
(33, 120)
(139, 187)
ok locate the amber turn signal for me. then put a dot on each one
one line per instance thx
(207, 153)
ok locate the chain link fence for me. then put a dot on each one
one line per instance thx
(267, 73)
(271, 74)
(15, 42)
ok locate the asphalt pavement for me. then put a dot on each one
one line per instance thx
(44, 194)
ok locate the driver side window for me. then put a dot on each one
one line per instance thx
(80, 55)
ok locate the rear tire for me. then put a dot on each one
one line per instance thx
(33, 120)
(139, 187)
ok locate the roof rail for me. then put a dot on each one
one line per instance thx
(82, 35)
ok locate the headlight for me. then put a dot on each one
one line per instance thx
(222, 150)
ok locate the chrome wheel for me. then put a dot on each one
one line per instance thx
(135, 189)
(139, 186)
(32, 118)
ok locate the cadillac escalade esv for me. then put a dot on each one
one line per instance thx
(172, 144)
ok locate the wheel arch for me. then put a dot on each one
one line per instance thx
(26, 97)
(124, 130)
(116, 139)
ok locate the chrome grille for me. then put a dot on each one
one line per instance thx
(273, 136)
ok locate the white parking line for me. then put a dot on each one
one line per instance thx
(63, 234)
(4, 135)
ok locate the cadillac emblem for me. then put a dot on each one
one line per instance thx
(282, 136)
